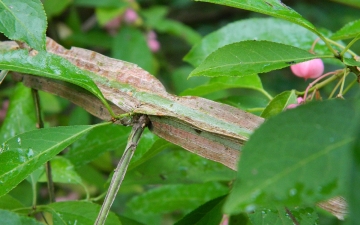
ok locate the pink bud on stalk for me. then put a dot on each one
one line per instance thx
(152, 41)
(299, 101)
(309, 69)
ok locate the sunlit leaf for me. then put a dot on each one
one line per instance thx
(24, 21)
(298, 157)
(24, 153)
(250, 57)
(279, 103)
(350, 30)
(62, 171)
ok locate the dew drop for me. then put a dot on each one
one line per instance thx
(19, 141)
(293, 192)
(30, 152)
(250, 208)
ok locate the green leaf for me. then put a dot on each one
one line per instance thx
(11, 218)
(128, 221)
(20, 116)
(296, 158)
(79, 213)
(130, 45)
(353, 196)
(220, 83)
(206, 214)
(351, 62)
(96, 142)
(102, 3)
(62, 171)
(279, 103)
(105, 15)
(10, 203)
(350, 30)
(250, 57)
(279, 216)
(49, 65)
(24, 153)
(24, 21)
(354, 3)
(79, 116)
(55, 7)
(176, 165)
(175, 197)
(273, 8)
(269, 29)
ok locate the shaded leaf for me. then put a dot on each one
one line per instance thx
(105, 15)
(351, 62)
(273, 8)
(10, 203)
(175, 197)
(269, 29)
(296, 158)
(48, 65)
(11, 218)
(26, 152)
(24, 21)
(206, 214)
(220, 83)
(279, 103)
(250, 57)
(79, 213)
(279, 216)
(20, 116)
(103, 3)
(355, 3)
(55, 7)
(350, 30)
(130, 45)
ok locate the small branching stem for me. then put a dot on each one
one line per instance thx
(139, 125)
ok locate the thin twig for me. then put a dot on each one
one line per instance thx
(292, 217)
(121, 168)
(40, 124)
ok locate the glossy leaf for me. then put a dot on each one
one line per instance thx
(62, 172)
(10, 203)
(48, 65)
(11, 218)
(250, 57)
(273, 8)
(185, 197)
(266, 29)
(350, 30)
(220, 83)
(279, 103)
(130, 45)
(296, 158)
(206, 214)
(26, 152)
(79, 213)
(279, 216)
(20, 116)
(24, 21)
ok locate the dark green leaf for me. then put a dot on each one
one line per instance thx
(350, 30)
(273, 8)
(24, 21)
(220, 83)
(24, 153)
(48, 65)
(279, 104)
(175, 197)
(8, 202)
(295, 158)
(206, 214)
(11, 218)
(355, 3)
(20, 116)
(267, 29)
(79, 116)
(96, 142)
(250, 57)
(353, 195)
(130, 45)
(128, 221)
(55, 7)
(279, 216)
(105, 15)
(79, 213)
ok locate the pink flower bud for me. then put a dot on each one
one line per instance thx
(299, 101)
(152, 42)
(130, 16)
(309, 69)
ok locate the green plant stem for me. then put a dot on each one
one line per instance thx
(40, 124)
(121, 168)
(334, 89)
(318, 86)
(342, 47)
(342, 84)
(255, 109)
(266, 94)
(349, 86)
(348, 46)
(327, 43)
